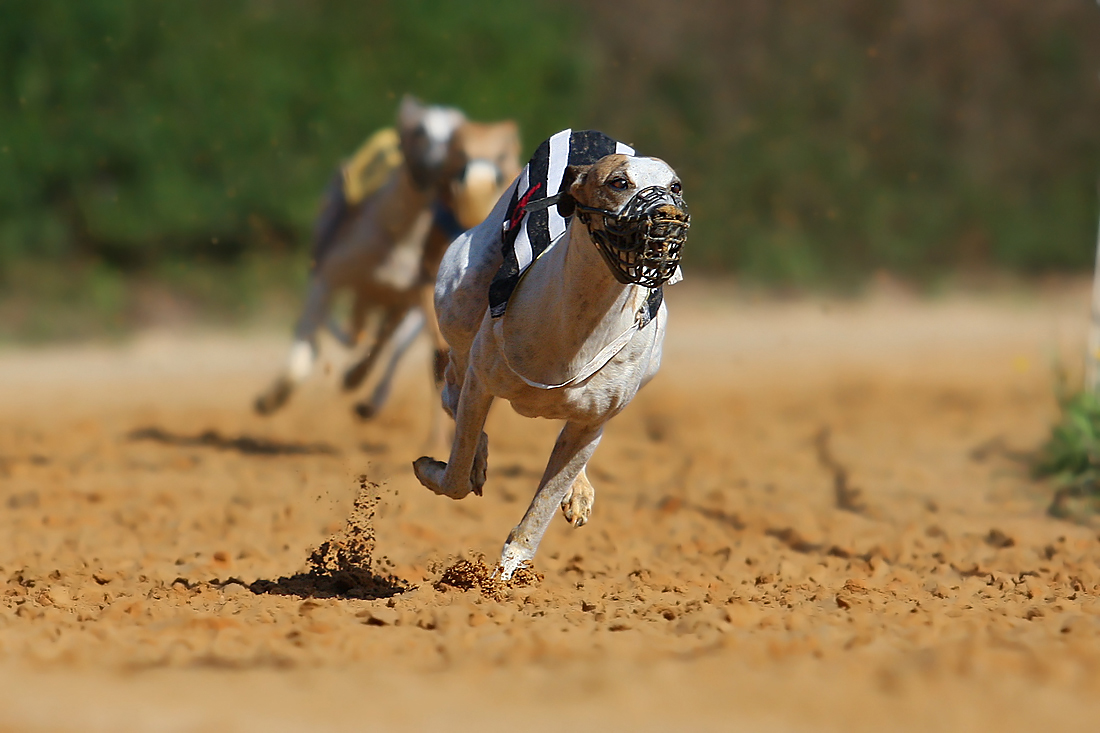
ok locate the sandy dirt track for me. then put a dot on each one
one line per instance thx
(814, 519)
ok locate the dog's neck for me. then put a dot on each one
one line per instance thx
(568, 307)
(400, 204)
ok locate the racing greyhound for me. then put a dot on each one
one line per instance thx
(555, 304)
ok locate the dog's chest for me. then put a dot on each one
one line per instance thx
(595, 400)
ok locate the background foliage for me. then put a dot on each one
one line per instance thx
(818, 141)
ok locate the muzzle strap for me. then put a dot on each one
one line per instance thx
(536, 205)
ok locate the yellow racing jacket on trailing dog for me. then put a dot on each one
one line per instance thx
(370, 167)
(360, 177)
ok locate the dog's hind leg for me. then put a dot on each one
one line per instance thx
(391, 319)
(304, 350)
(577, 504)
(439, 362)
(359, 308)
(440, 359)
(465, 471)
(437, 427)
(350, 338)
(403, 338)
(574, 448)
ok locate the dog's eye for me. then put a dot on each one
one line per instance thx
(619, 184)
(675, 188)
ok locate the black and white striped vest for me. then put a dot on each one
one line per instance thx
(530, 226)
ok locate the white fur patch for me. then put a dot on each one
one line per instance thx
(646, 172)
(438, 124)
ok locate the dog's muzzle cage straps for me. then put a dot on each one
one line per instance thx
(644, 242)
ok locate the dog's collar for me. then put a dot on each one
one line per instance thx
(444, 218)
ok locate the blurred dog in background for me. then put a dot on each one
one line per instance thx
(385, 221)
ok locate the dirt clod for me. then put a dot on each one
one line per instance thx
(470, 574)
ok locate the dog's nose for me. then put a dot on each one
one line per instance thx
(479, 173)
(671, 211)
(476, 193)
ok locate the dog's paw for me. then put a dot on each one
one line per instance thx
(431, 473)
(512, 558)
(577, 504)
(354, 377)
(364, 410)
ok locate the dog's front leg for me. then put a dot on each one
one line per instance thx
(574, 448)
(304, 350)
(465, 471)
(358, 320)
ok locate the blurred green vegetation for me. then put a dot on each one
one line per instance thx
(818, 142)
(1071, 456)
(137, 131)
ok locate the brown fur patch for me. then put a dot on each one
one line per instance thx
(590, 187)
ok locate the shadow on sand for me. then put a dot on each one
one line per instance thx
(360, 584)
(244, 444)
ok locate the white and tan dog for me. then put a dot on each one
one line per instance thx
(385, 248)
(578, 336)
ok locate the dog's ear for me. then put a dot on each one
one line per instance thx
(409, 113)
(570, 183)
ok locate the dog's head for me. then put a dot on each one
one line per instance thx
(482, 160)
(634, 210)
(426, 131)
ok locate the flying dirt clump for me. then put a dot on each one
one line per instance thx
(468, 574)
(344, 565)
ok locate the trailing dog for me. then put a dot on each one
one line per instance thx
(386, 220)
(555, 304)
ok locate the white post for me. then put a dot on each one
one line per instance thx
(1092, 359)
